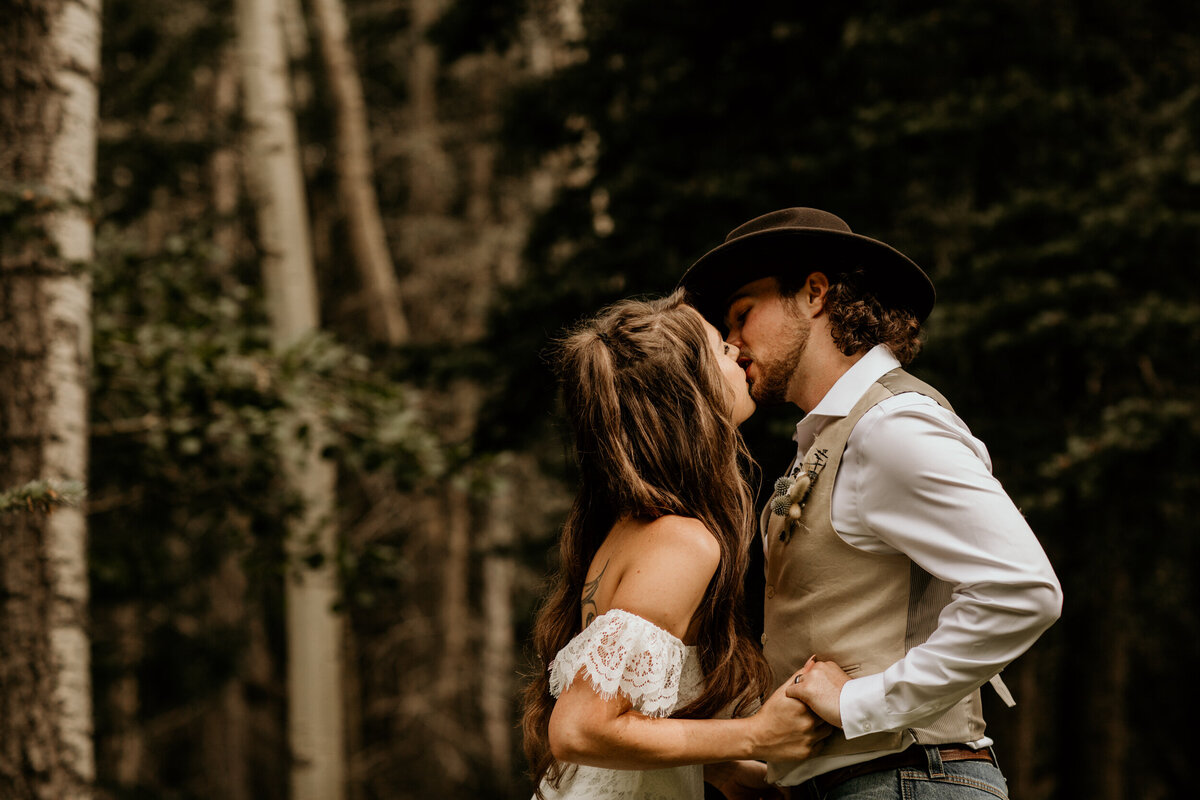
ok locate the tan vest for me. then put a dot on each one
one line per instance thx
(862, 610)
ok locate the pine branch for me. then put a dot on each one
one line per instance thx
(43, 496)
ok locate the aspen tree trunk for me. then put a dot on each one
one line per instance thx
(496, 684)
(226, 734)
(124, 748)
(462, 232)
(223, 166)
(1111, 728)
(49, 62)
(295, 41)
(1019, 770)
(430, 176)
(458, 668)
(499, 648)
(226, 728)
(455, 606)
(449, 526)
(315, 710)
(356, 191)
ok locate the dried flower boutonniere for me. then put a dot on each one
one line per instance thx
(788, 501)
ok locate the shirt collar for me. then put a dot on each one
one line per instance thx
(842, 396)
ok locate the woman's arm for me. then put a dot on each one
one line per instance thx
(668, 567)
(588, 729)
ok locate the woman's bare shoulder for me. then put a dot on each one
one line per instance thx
(669, 563)
(685, 537)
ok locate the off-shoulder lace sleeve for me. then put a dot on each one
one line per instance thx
(622, 652)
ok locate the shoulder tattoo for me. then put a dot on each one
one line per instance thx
(589, 596)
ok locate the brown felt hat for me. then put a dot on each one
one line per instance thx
(795, 239)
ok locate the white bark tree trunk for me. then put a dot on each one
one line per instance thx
(224, 166)
(314, 630)
(76, 36)
(49, 65)
(356, 189)
(431, 175)
(225, 733)
(496, 684)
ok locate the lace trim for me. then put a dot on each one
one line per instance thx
(622, 652)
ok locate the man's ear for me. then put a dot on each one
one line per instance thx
(816, 288)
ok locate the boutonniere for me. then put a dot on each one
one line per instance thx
(788, 501)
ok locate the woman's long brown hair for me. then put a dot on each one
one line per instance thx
(648, 408)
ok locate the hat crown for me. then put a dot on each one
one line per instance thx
(791, 218)
(794, 239)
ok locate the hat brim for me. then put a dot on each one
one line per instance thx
(891, 276)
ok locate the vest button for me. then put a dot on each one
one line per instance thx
(770, 591)
(763, 638)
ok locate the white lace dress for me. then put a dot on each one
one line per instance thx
(623, 652)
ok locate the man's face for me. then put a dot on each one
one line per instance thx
(771, 337)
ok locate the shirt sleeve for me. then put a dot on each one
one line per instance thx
(914, 481)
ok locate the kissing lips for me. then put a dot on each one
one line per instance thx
(745, 364)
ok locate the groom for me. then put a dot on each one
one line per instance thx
(899, 574)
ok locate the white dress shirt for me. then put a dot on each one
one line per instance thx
(913, 480)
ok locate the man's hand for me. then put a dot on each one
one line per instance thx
(784, 729)
(742, 780)
(819, 685)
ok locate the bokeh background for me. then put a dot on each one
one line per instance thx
(477, 174)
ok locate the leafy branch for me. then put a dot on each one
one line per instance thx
(43, 496)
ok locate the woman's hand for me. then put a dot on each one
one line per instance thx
(819, 685)
(742, 780)
(784, 729)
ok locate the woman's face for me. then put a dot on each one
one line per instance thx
(735, 377)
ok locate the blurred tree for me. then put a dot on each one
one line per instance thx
(182, 408)
(356, 190)
(190, 506)
(460, 219)
(49, 64)
(316, 714)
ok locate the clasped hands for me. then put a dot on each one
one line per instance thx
(818, 684)
(790, 726)
(798, 715)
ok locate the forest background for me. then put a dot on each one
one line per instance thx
(378, 465)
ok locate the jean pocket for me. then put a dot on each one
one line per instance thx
(960, 780)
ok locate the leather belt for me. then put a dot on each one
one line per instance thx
(914, 756)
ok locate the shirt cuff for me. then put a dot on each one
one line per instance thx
(862, 706)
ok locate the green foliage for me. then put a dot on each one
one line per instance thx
(42, 496)
(189, 394)
(188, 405)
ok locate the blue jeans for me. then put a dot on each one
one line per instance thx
(938, 780)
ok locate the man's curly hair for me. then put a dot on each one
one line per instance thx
(858, 321)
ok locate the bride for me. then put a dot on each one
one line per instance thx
(642, 633)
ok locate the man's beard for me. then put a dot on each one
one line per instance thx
(774, 376)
